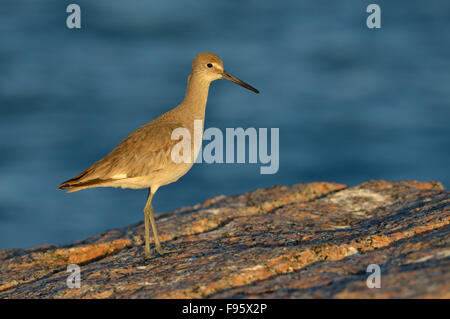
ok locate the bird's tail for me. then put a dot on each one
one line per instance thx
(80, 182)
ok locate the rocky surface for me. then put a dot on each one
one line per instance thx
(306, 241)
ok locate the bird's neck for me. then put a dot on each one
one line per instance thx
(196, 96)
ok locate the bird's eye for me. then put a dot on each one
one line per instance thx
(209, 65)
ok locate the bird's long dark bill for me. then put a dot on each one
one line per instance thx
(229, 77)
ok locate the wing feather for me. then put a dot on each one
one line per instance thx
(145, 150)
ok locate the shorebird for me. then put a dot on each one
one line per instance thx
(143, 159)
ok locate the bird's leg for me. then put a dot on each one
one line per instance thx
(147, 230)
(155, 233)
(149, 217)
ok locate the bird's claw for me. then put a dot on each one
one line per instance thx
(161, 251)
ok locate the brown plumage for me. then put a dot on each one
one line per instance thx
(146, 150)
(144, 159)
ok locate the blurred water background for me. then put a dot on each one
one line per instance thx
(352, 104)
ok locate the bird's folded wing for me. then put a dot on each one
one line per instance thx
(145, 150)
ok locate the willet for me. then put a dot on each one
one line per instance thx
(143, 159)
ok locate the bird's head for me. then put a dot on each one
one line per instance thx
(210, 67)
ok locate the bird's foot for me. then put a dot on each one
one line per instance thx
(161, 251)
(147, 253)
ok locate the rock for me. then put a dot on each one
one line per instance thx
(306, 241)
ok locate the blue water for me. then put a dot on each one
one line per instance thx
(352, 104)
